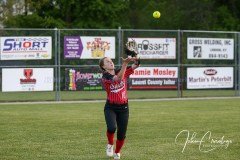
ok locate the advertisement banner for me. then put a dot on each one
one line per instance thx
(154, 78)
(27, 79)
(25, 48)
(72, 47)
(83, 79)
(89, 47)
(210, 48)
(210, 77)
(156, 48)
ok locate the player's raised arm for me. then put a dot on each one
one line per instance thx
(136, 63)
(121, 73)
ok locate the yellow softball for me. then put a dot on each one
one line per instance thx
(156, 14)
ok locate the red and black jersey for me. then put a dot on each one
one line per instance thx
(116, 90)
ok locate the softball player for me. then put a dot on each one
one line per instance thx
(116, 108)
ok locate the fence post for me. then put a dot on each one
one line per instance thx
(120, 41)
(55, 63)
(180, 83)
(238, 64)
(59, 66)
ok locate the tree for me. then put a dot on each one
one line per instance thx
(72, 14)
(136, 14)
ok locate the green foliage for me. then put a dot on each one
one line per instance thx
(226, 21)
(22, 21)
(72, 14)
(175, 14)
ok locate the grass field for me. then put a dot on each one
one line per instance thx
(77, 131)
(93, 95)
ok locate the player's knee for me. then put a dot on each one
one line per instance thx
(121, 137)
(111, 129)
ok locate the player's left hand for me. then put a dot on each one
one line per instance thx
(131, 48)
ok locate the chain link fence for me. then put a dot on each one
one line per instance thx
(176, 58)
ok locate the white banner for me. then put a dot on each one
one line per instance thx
(210, 48)
(156, 48)
(155, 72)
(154, 78)
(27, 79)
(210, 77)
(25, 48)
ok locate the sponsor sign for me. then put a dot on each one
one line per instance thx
(25, 48)
(27, 79)
(156, 48)
(210, 48)
(209, 77)
(83, 79)
(88, 47)
(72, 47)
(154, 78)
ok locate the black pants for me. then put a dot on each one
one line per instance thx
(116, 117)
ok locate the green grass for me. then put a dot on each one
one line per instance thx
(101, 95)
(77, 131)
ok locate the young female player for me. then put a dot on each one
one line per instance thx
(116, 108)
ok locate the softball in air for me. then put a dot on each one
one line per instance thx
(156, 14)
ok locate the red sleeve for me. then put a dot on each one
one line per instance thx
(128, 72)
